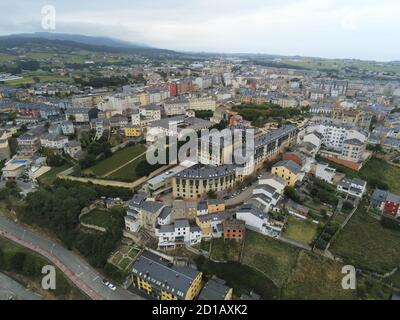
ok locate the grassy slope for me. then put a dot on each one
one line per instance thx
(273, 257)
(303, 231)
(118, 159)
(365, 243)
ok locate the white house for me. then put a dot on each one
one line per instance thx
(324, 172)
(352, 187)
(53, 141)
(177, 234)
(274, 181)
(258, 220)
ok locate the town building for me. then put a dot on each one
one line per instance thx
(234, 229)
(287, 170)
(162, 280)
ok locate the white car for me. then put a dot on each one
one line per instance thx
(112, 287)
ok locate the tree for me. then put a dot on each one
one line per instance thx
(17, 261)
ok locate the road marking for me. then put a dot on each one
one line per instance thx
(95, 278)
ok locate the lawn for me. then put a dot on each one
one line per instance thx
(98, 217)
(104, 218)
(300, 230)
(379, 170)
(316, 278)
(49, 177)
(226, 250)
(241, 278)
(365, 243)
(272, 257)
(117, 160)
(128, 172)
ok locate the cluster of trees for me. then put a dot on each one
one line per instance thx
(52, 159)
(144, 168)
(259, 115)
(324, 192)
(292, 193)
(99, 82)
(30, 65)
(327, 234)
(9, 194)
(57, 209)
(204, 114)
(96, 150)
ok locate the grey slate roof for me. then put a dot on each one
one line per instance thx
(289, 164)
(165, 212)
(152, 206)
(172, 278)
(198, 172)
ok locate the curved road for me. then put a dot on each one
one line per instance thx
(74, 267)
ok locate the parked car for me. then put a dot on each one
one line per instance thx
(105, 282)
(112, 287)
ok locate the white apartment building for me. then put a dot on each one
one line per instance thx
(202, 104)
(67, 128)
(176, 107)
(334, 135)
(52, 141)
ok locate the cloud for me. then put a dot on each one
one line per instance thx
(329, 28)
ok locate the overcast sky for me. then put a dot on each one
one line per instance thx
(366, 29)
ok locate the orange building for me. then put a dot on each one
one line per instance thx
(234, 229)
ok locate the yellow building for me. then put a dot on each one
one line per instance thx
(144, 99)
(215, 205)
(196, 181)
(288, 170)
(204, 224)
(132, 131)
(159, 278)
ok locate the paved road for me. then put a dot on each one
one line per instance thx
(11, 288)
(72, 265)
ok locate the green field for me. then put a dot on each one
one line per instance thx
(104, 218)
(379, 170)
(128, 172)
(335, 64)
(365, 243)
(118, 159)
(300, 230)
(272, 257)
(50, 176)
(226, 250)
(316, 278)
(98, 217)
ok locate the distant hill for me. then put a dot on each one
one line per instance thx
(63, 41)
(98, 41)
